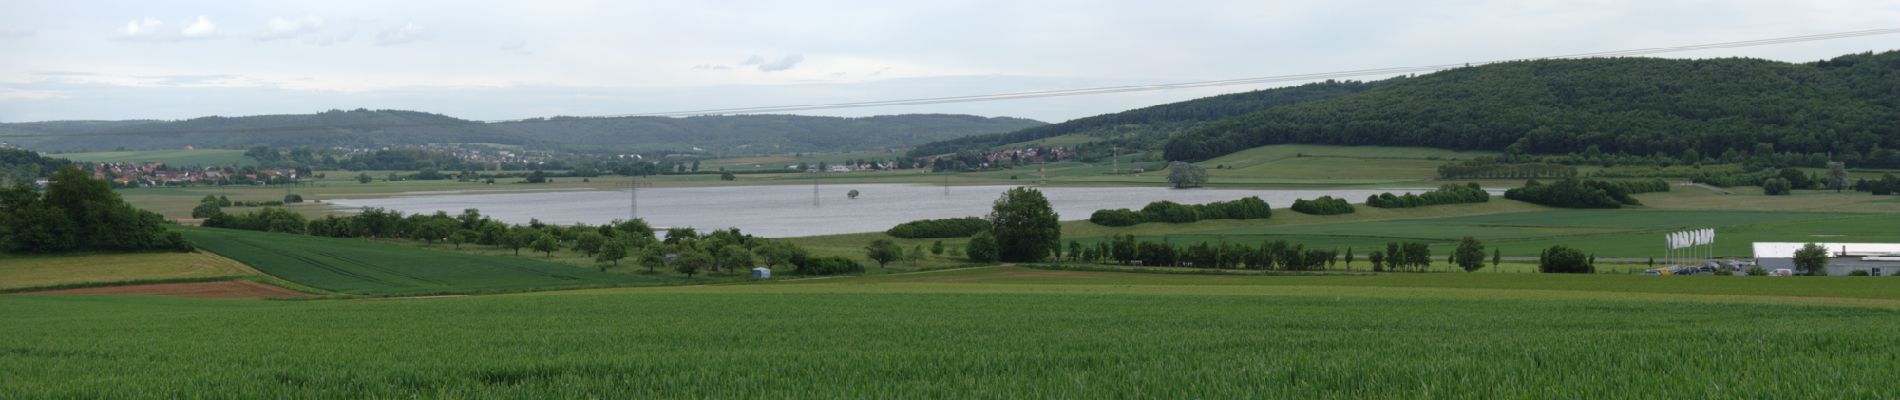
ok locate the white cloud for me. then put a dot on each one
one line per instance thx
(287, 28)
(517, 47)
(409, 32)
(202, 28)
(781, 64)
(9, 33)
(142, 28)
(150, 29)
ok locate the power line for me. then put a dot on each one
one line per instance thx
(1049, 93)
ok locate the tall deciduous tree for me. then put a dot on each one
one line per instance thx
(883, 252)
(1186, 175)
(1811, 259)
(1469, 255)
(1025, 227)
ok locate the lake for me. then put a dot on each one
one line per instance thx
(788, 210)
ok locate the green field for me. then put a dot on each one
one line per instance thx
(204, 157)
(365, 267)
(990, 332)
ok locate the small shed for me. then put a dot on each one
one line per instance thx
(761, 272)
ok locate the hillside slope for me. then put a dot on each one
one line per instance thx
(771, 133)
(1156, 123)
(1847, 106)
(364, 128)
(358, 127)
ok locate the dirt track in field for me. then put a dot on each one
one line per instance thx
(238, 289)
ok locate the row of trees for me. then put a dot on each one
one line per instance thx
(1272, 255)
(1585, 193)
(1446, 194)
(1324, 205)
(78, 213)
(685, 250)
(1492, 168)
(1250, 207)
(940, 228)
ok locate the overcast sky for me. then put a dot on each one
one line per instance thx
(76, 59)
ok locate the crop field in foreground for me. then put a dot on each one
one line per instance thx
(994, 332)
(367, 267)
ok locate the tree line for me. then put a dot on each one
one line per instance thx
(940, 228)
(1277, 255)
(1250, 207)
(1585, 193)
(1445, 194)
(684, 250)
(78, 213)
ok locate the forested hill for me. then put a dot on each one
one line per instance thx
(363, 128)
(1849, 106)
(761, 133)
(330, 128)
(1159, 121)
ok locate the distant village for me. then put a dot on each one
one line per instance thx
(151, 174)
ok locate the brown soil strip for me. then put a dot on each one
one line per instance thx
(237, 289)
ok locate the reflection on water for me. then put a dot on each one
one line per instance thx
(787, 210)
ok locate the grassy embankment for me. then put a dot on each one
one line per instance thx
(368, 267)
(178, 158)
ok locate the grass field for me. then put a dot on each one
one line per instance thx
(18, 272)
(205, 157)
(366, 267)
(990, 332)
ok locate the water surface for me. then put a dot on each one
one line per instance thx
(789, 210)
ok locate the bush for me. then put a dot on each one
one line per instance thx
(1858, 272)
(940, 228)
(983, 248)
(1447, 194)
(293, 198)
(1776, 187)
(1562, 259)
(831, 265)
(1168, 211)
(1756, 271)
(1586, 193)
(1115, 217)
(1250, 207)
(1324, 205)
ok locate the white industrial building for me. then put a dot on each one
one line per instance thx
(1881, 259)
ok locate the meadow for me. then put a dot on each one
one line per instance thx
(39, 271)
(204, 157)
(366, 267)
(991, 332)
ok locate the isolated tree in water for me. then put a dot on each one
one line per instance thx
(1025, 227)
(1185, 175)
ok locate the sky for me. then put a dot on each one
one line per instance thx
(497, 60)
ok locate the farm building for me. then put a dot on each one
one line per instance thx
(1843, 258)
